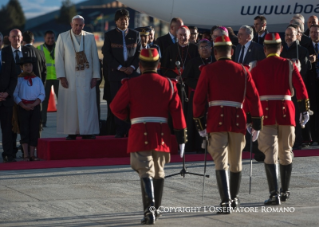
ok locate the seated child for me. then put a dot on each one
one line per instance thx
(28, 94)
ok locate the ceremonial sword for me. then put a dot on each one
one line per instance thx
(206, 144)
(251, 161)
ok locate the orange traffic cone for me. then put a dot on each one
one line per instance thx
(52, 105)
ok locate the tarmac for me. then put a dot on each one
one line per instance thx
(111, 196)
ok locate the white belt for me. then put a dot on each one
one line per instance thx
(225, 103)
(275, 97)
(148, 119)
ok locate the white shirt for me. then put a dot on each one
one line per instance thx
(245, 51)
(172, 37)
(24, 91)
(262, 35)
(19, 53)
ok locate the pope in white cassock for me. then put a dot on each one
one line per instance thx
(78, 69)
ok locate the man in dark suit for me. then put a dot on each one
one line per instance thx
(8, 82)
(190, 76)
(41, 68)
(260, 24)
(182, 51)
(121, 50)
(166, 40)
(17, 51)
(290, 51)
(312, 83)
(247, 50)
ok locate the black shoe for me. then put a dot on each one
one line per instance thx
(259, 156)
(235, 203)
(223, 188)
(284, 196)
(271, 173)
(273, 200)
(71, 137)
(148, 200)
(235, 179)
(224, 208)
(7, 159)
(119, 136)
(89, 137)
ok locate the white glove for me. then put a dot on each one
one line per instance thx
(255, 134)
(182, 149)
(303, 119)
(249, 128)
(203, 133)
(252, 65)
(297, 63)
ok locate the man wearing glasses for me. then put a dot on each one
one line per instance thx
(303, 64)
(190, 76)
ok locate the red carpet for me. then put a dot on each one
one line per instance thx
(118, 161)
(101, 147)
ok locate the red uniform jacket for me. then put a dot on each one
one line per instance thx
(225, 80)
(271, 77)
(149, 95)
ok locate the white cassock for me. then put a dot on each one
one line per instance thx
(77, 107)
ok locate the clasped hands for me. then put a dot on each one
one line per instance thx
(127, 70)
(65, 84)
(253, 132)
(3, 96)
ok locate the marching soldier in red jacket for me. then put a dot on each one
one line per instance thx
(275, 79)
(224, 85)
(146, 101)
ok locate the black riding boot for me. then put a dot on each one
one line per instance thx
(235, 179)
(271, 173)
(223, 188)
(148, 200)
(158, 193)
(285, 173)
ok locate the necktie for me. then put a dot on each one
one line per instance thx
(17, 59)
(242, 54)
(258, 39)
(124, 47)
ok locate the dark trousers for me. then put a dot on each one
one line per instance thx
(29, 123)
(122, 127)
(298, 130)
(194, 141)
(313, 92)
(6, 129)
(98, 97)
(48, 85)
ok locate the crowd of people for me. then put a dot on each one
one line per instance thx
(224, 80)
